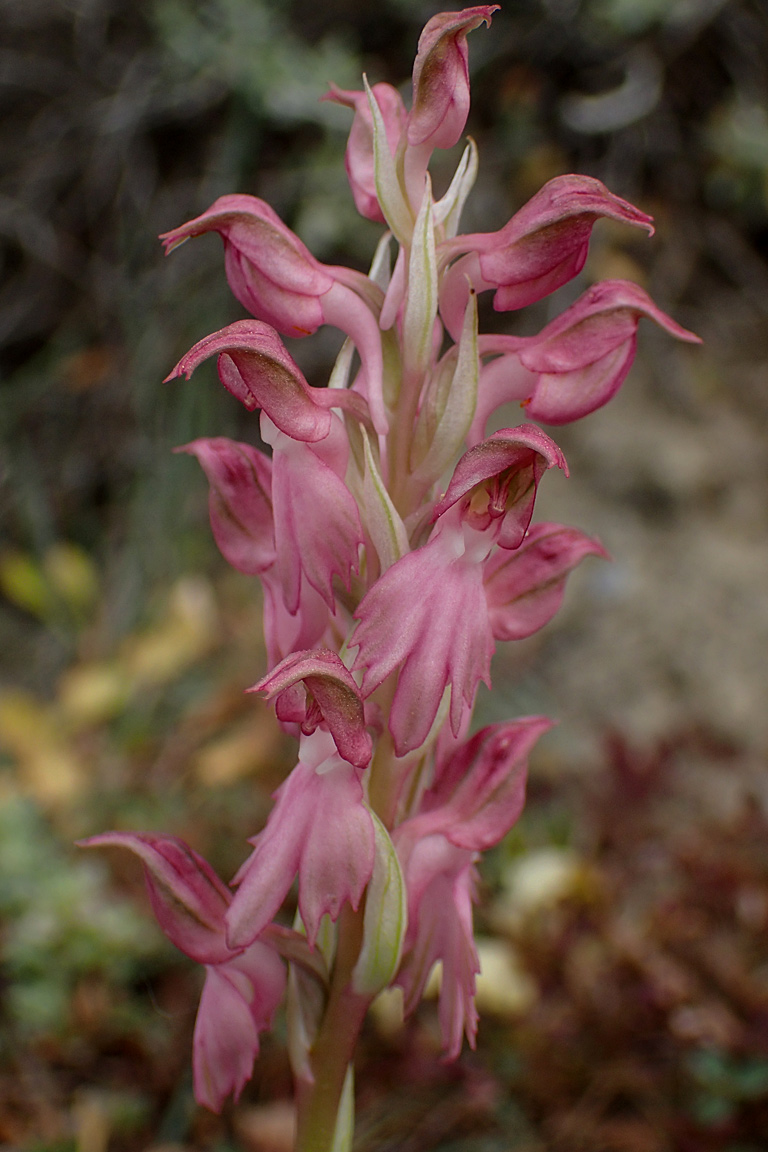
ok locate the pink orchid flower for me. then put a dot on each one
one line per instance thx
(577, 363)
(243, 986)
(477, 796)
(542, 247)
(280, 282)
(359, 158)
(319, 829)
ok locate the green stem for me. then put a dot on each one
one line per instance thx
(318, 1101)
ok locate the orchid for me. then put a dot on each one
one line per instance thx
(395, 542)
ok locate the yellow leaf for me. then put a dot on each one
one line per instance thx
(72, 574)
(23, 582)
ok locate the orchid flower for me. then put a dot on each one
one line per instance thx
(243, 987)
(395, 543)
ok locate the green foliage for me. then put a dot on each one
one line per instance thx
(62, 923)
(721, 1083)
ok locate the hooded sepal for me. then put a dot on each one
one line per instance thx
(270, 271)
(188, 898)
(256, 367)
(542, 247)
(583, 356)
(441, 77)
(495, 482)
(314, 688)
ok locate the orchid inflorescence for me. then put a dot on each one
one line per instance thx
(394, 543)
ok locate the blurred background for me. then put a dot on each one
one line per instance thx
(623, 928)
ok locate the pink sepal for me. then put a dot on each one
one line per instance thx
(255, 366)
(359, 159)
(188, 898)
(441, 77)
(442, 637)
(238, 1001)
(330, 696)
(270, 271)
(525, 588)
(319, 828)
(441, 881)
(497, 481)
(543, 246)
(239, 503)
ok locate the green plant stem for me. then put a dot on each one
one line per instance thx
(332, 1052)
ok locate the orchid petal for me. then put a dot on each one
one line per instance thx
(525, 588)
(238, 1000)
(442, 636)
(479, 792)
(318, 828)
(240, 502)
(317, 523)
